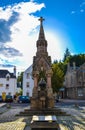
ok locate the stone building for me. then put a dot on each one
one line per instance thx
(42, 71)
(75, 82)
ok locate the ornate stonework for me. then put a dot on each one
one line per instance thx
(75, 82)
(42, 70)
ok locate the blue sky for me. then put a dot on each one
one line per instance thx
(64, 27)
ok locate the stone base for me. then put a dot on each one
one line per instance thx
(42, 99)
(53, 111)
(51, 103)
(44, 125)
(34, 103)
(42, 104)
(44, 122)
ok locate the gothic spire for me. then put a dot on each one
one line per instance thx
(41, 33)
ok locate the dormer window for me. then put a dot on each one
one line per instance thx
(7, 77)
(28, 75)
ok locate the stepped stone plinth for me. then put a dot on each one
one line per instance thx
(52, 111)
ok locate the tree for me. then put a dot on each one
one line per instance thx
(20, 79)
(55, 61)
(66, 54)
(78, 59)
(57, 78)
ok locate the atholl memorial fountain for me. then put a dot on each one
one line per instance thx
(42, 97)
(42, 107)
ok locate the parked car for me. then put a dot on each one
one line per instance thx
(23, 99)
(57, 99)
(1, 100)
(9, 98)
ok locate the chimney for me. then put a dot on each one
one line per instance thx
(74, 66)
(14, 70)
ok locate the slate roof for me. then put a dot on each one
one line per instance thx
(3, 74)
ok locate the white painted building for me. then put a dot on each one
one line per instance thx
(8, 82)
(28, 82)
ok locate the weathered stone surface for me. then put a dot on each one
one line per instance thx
(74, 82)
(42, 97)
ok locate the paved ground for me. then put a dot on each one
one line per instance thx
(75, 121)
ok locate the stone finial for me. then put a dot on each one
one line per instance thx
(41, 19)
(41, 33)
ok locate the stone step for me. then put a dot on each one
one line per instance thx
(30, 113)
(48, 111)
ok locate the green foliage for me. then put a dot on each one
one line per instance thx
(78, 59)
(66, 54)
(55, 61)
(19, 93)
(57, 78)
(20, 78)
(42, 75)
(59, 68)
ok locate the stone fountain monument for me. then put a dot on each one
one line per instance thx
(42, 108)
(42, 97)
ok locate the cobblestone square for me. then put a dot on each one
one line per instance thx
(74, 119)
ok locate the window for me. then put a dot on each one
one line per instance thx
(80, 92)
(27, 94)
(27, 84)
(7, 86)
(7, 78)
(28, 76)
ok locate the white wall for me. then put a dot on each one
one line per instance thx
(30, 80)
(12, 86)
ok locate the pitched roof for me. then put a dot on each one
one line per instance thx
(3, 74)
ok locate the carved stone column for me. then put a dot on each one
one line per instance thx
(35, 91)
(49, 89)
(34, 99)
(35, 75)
(49, 75)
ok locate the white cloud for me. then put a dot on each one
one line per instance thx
(5, 13)
(82, 7)
(73, 12)
(24, 35)
(82, 10)
(82, 4)
(21, 39)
